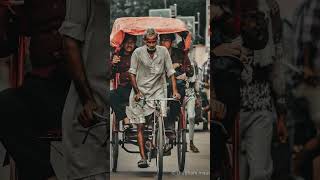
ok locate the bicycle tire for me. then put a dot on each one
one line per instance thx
(181, 146)
(160, 146)
(227, 167)
(115, 146)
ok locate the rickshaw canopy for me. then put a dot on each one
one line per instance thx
(138, 25)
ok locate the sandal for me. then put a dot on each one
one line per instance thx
(194, 149)
(143, 163)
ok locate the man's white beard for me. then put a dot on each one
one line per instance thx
(151, 49)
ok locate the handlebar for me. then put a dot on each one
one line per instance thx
(100, 118)
(159, 99)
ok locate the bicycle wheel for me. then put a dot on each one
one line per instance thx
(160, 145)
(227, 168)
(115, 145)
(182, 144)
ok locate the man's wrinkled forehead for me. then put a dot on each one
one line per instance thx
(151, 38)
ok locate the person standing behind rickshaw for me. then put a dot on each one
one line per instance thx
(192, 93)
(120, 64)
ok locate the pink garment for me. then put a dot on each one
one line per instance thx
(138, 25)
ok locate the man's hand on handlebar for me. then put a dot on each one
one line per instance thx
(86, 117)
(176, 95)
(219, 109)
(138, 96)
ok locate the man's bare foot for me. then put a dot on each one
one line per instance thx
(126, 120)
(126, 123)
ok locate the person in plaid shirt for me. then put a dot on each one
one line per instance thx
(308, 38)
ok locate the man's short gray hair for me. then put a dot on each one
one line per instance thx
(149, 33)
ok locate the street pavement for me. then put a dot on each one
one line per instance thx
(197, 164)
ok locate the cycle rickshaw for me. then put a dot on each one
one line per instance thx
(155, 132)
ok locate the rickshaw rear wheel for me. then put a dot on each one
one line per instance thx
(115, 145)
(181, 143)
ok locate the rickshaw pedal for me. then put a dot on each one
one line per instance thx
(120, 142)
(171, 135)
(167, 149)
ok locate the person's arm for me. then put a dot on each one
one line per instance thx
(114, 65)
(170, 73)
(188, 67)
(175, 92)
(138, 95)
(134, 83)
(76, 69)
(133, 71)
(278, 82)
(197, 80)
(196, 83)
(217, 108)
(73, 30)
(278, 85)
(77, 73)
(206, 75)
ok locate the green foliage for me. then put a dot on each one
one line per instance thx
(130, 8)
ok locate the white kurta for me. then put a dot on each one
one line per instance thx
(86, 21)
(151, 80)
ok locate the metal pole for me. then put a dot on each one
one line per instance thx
(165, 3)
(198, 16)
(175, 10)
